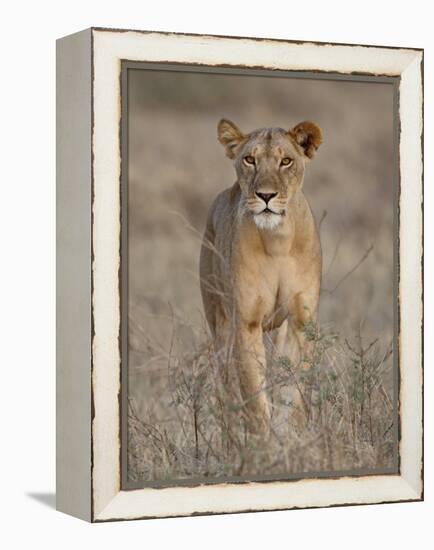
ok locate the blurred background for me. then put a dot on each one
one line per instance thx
(176, 168)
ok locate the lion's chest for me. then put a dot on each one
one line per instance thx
(266, 289)
(278, 301)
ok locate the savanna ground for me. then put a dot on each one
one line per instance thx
(181, 424)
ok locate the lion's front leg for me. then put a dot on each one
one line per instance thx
(250, 358)
(303, 322)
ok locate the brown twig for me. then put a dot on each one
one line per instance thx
(351, 271)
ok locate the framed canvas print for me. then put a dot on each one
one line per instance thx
(239, 274)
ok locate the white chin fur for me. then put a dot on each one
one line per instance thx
(267, 221)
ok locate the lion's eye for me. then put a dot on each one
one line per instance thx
(286, 161)
(249, 159)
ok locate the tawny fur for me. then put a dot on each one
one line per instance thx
(260, 270)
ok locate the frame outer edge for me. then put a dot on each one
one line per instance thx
(411, 274)
(107, 508)
(73, 275)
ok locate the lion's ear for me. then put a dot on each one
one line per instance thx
(229, 136)
(308, 135)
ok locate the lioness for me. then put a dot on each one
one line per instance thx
(260, 264)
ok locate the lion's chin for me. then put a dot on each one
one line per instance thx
(267, 221)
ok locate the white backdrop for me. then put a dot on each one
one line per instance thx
(27, 219)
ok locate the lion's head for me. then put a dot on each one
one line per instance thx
(270, 164)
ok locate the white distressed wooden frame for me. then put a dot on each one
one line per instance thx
(89, 169)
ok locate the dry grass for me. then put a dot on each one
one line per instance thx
(204, 433)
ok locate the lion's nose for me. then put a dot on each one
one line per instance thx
(266, 196)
